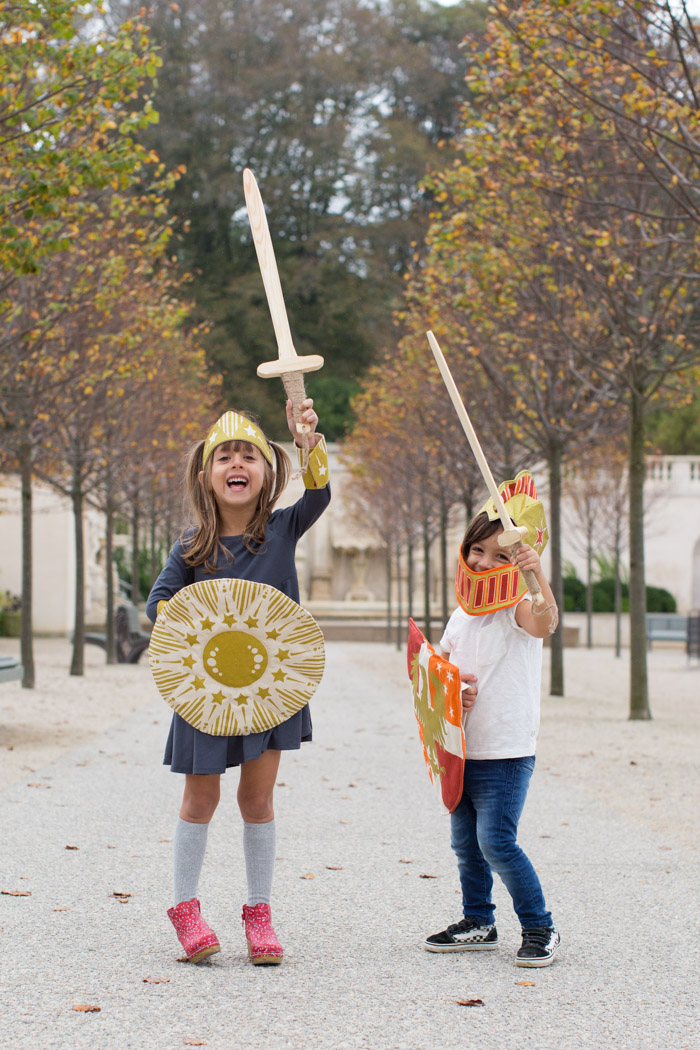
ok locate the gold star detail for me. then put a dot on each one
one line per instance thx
(274, 634)
(229, 620)
(264, 694)
(191, 639)
(251, 622)
(198, 683)
(241, 699)
(207, 624)
(283, 654)
(279, 676)
(189, 661)
(218, 698)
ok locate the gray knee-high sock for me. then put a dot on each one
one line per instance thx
(259, 843)
(188, 848)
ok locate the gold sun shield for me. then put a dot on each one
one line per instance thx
(234, 657)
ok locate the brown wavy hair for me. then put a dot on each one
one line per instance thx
(479, 528)
(201, 544)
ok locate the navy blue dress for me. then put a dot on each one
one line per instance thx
(188, 750)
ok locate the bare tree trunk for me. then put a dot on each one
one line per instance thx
(409, 577)
(556, 685)
(589, 592)
(443, 561)
(77, 666)
(639, 686)
(109, 569)
(389, 582)
(426, 579)
(399, 611)
(618, 595)
(135, 575)
(27, 636)
(154, 555)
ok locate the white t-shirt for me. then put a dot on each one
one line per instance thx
(507, 661)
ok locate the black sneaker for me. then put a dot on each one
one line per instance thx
(464, 936)
(540, 945)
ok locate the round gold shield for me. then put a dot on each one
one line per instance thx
(234, 657)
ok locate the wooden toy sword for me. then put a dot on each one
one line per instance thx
(511, 537)
(289, 366)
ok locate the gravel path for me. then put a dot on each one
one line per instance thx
(364, 872)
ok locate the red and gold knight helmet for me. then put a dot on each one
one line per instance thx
(479, 593)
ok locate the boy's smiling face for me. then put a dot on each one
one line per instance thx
(487, 554)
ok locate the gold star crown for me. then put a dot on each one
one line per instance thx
(232, 426)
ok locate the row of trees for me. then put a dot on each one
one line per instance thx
(102, 378)
(560, 265)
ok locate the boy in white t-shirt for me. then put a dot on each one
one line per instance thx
(495, 639)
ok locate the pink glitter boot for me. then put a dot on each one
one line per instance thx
(263, 946)
(192, 931)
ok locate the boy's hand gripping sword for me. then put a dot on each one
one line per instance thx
(289, 365)
(511, 537)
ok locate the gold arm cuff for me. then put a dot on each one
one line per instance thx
(316, 474)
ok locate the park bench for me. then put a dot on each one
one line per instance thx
(10, 669)
(666, 627)
(130, 638)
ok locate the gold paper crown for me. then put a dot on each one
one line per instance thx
(521, 503)
(232, 426)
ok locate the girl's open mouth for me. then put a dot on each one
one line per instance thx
(237, 484)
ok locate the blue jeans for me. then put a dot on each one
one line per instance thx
(484, 831)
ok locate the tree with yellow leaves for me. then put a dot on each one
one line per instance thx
(558, 255)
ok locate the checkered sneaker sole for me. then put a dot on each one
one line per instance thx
(464, 936)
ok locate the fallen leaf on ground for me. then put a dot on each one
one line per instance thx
(344, 821)
(405, 862)
(16, 893)
(469, 1002)
(118, 894)
(85, 1008)
(526, 984)
(352, 784)
(156, 980)
(195, 1042)
(665, 847)
(36, 785)
(60, 909)
(334, 867)
(428, 876)
(72, 847)
(309, 875)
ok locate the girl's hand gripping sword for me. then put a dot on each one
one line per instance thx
(289, 365)
(511, 537)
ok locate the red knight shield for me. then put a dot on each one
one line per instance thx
(437, 700)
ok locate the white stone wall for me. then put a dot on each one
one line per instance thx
(340, 563)
(53, 556)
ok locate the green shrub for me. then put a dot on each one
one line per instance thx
(658, 599)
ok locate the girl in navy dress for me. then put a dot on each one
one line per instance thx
(234, 478)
